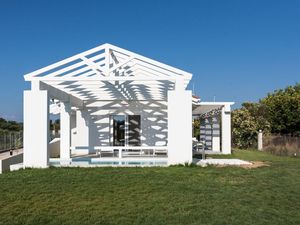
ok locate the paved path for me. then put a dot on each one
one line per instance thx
(5, 155)
(230, 162)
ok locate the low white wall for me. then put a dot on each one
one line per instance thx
(5, 163)
(36, 129)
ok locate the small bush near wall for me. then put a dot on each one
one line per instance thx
(282, 145)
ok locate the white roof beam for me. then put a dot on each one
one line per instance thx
(102, 78)
(65, 61)
(151, 61)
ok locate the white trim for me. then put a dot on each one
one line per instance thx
(214, 103)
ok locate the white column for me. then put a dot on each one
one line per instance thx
(179, 127)
(73, 129)
(82, 131)
(226, 130)
(65, 131)
(215, 134)
(36, 128)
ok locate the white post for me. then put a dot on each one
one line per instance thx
(226, 130)
(82, 131)
(36, 128)
(73, 129)
(260, 140)
(65, 131)
(179, 126)
(120, 153)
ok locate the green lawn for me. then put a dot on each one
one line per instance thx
(171, 195)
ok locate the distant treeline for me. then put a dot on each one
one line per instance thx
(8, 126)
(13, 126)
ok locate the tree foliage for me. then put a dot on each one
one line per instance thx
(283, 110)
(247, 121)
(6, 126)
(196, 127)
(278, 112)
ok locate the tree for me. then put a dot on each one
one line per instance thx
(283, 110)
(246, 122)
(196, 127)
(278, 113)
(6, 126)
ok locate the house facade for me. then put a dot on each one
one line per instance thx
(117, 105)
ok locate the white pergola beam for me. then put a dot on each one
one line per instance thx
(95, 67)
(60, 95)
(120, 65)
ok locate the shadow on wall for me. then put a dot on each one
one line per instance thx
(209, 128)
(153, 112)
(153, 120)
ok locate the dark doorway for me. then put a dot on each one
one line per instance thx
(118, 130)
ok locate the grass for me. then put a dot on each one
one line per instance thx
(172, 195)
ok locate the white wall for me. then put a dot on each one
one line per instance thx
(180, 127)
(5, 163)
(80, 134)
(93, 122)
(226, 130)
(36, 128)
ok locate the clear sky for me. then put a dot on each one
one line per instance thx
(237, 50)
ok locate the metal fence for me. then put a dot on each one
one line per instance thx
(11, 140)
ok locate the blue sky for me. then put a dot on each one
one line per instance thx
(237, 50)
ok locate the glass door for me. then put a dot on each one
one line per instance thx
(118, 130)
(126, 130)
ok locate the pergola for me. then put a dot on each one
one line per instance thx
(215, 127)
(103, 81)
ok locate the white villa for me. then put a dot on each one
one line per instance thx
(118, 106)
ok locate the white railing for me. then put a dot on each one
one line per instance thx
(127, 151)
